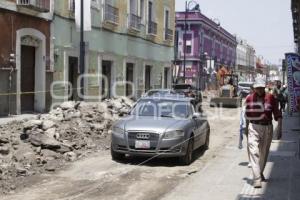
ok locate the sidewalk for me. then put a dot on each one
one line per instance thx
(227, 177)
(5, 120)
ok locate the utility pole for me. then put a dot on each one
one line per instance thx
(184, 40)
(82, 50)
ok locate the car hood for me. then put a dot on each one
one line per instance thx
(150, 124)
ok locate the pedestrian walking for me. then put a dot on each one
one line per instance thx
(283, 98)
(244, 126)
(260, 106)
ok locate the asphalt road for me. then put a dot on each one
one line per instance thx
(98, 177)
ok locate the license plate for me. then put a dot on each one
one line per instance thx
(142, 144)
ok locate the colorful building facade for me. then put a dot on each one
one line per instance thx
(128, 51)
(208, 46)
(131, 41)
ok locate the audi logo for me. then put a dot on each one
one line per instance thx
(144, 136)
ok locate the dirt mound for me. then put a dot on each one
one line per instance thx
(67, 133)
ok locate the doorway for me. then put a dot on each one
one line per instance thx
(147, 78)
(129, 79)
(106, 80)
(27, 78)
(73, 79)
(166, 77)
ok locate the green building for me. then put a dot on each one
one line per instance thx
(131, 41)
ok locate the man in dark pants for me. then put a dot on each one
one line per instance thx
(259, 109)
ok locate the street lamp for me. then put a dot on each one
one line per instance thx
(187, 9)
(204, 63)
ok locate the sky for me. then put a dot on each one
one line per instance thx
(264, 24)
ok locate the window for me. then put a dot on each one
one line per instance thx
(167, 19)
(151, 13)
(134, 7)
(142, 10)
(188, 38)
(168, 32)
(111, 13)
(177, 53)
(72, 5)
(188, 49)
(134, 18)
(152, 25)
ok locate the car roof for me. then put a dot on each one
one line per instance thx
(174, 97)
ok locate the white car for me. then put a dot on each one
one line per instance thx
(244, 88)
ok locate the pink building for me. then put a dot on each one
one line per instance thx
(208, 46)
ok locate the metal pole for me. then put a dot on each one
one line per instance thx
(9, 90)
(175, 59)
(184, 41)
(82, 50)
(283, 71)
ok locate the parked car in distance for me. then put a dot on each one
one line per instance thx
(159, 92)
(244, 88)
(190, 91)
(165, 127)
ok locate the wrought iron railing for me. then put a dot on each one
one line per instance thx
(168, 34)
(152, 28)
(111, 14)
(41, 5)
(135, 21)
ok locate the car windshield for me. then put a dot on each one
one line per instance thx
(162, 108)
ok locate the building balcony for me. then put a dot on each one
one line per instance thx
(111, 14)
(152, 28)
(37, 5)
(135, 22)
(188, 56)
(169, 34)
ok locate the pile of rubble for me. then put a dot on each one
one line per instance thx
(48, 142)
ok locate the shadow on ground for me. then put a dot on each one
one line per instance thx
(159, 161)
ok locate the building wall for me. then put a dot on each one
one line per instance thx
(207, 37)
(11, 22)
(245, 61)
(115, 42)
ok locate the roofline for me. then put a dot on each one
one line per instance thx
(224, 31)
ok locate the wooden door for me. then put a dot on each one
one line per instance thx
(27, 78)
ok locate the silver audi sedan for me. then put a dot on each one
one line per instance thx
(164, 127)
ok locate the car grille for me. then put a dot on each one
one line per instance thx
(136, 135)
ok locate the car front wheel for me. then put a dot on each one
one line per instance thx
(206, 145)
(188, 157)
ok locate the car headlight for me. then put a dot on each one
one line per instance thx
(118, 130)
(174, 134)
